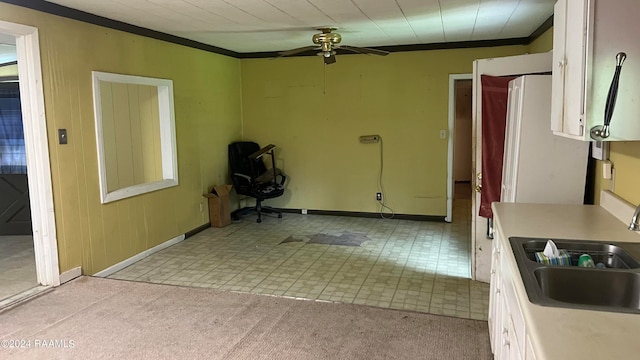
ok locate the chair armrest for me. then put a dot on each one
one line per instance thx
(244, 177)
(262, 151)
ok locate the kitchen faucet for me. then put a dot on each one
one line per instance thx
(635, 225)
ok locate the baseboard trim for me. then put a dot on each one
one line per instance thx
(200, 228)
(367, 214)
(123, 264)
(70, 275)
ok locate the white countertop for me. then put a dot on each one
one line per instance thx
(561, 333)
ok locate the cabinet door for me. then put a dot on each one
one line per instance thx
(569, 67)
(613, 27)
(513, 348)
(559, 61)
(587, 35)
(495, 305)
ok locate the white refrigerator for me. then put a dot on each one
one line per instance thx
(539, 167)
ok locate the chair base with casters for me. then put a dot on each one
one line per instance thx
(261, 194)
(259, 209)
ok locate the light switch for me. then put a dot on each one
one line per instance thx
(443, 134)
(62, 136)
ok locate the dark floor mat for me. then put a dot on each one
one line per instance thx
(345, 239)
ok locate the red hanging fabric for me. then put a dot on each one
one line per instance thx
(495, 93)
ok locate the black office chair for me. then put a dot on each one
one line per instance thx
(251, 177)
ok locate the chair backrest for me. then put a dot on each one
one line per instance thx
(239, 161)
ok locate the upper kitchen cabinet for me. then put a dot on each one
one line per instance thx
(587, 36)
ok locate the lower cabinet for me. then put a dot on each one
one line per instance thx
(507, 329)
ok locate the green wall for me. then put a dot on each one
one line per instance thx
(625, 157)
(312, 112)
(315, 113)
(207, 115)
(543, 43)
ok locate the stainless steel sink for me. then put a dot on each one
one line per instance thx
(590, 287)
(614, 288)
(610, 254)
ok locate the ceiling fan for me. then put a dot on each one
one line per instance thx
(328, 42)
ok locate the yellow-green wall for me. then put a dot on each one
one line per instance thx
(543, 43)
(9, 70)
(316, 113)
(312, 112)
(625, 157)
(208, 117)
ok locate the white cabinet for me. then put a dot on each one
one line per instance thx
(587, 35)
(539, 167)
(507, 330)
(495, 299)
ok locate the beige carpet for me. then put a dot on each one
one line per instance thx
(92, 318)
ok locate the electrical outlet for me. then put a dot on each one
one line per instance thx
(379, 196)
(201, 207)
(369, 139)
(304, 211)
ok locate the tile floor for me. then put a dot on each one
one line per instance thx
(410, 265)
(17, 265)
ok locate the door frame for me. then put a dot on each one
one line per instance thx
(451, 143)
(503, 66)
(37, 148)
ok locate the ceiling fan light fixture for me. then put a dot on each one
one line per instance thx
(327, 42)
(326, 38)
(326, 47)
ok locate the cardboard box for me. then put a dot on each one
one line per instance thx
(219, 211)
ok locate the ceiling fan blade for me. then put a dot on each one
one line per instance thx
(364, 50)
(329, 60)
(298, 50)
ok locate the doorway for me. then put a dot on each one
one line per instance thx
(459, 168)
(462, 171)
(17, 258)
(38, 172)
(459, 161)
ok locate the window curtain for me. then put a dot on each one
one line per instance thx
(13, 158)
(495, 93)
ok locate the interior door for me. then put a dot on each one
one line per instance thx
(15, 213)
(505, 66)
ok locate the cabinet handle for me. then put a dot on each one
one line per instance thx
(601, 132)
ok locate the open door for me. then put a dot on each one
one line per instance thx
(15, 211)
(506, 66)
(40, 190)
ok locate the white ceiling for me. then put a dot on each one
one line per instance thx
(273, 25)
